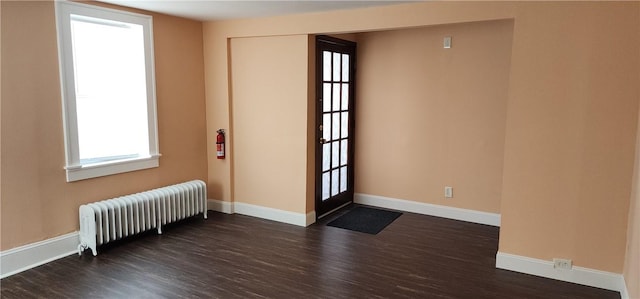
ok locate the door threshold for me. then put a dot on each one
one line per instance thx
(338, 208)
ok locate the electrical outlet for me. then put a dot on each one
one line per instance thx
(448, 192)
(563, 264)
(447, 42)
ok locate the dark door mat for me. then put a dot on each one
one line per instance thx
(365, 220)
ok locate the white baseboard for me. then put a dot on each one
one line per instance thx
(624, 293)
(579, 275)
(29, 256)
(428, 209)
(220, 206)
(227, 207)
(310, 218)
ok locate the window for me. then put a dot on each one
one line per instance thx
(108, 90)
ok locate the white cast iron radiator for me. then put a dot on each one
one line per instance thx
(113, 219)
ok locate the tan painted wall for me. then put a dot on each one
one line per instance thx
(0, 130)
(37, 202)
(269, 104)
(571, 127)
(632, 259)
(571, 113)
(217, 71)
(429, 117)
(217, 80)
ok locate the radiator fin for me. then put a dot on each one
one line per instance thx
(113, 219)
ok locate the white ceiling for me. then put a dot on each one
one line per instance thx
(208, 10)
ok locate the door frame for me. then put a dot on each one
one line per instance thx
(329, 43)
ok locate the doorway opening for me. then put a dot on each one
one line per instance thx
(335, 107)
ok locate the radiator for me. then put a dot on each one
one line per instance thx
(113, 219)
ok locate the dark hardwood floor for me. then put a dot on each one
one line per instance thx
(235, 256)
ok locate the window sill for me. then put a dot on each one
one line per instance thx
(88, 171)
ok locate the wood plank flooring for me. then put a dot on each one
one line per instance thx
(235, 256)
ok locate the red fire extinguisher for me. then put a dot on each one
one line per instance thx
(220, 144)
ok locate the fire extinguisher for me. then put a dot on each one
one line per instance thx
(220, 144)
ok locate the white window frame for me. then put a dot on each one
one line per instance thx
(74, 169)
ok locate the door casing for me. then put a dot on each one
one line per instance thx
(327, 43)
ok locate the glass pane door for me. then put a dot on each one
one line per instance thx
(335, 91)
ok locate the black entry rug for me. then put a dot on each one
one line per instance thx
(365, 220)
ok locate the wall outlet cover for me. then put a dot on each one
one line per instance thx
(564, 264)
(448, 192)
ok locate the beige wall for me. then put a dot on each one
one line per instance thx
(217, 68)
(37, 202)
(269, 122)
(217, 81)
(632, 260)
(571, 127)
(570, 120)
(429, 117)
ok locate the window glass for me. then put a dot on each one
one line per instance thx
(108, 96)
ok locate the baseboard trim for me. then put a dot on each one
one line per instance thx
(29, 256)
(579, 275)
(624, 293)
(220, 206)
(428, 209)
(228, 207)
(310, 218)
(298, 219)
